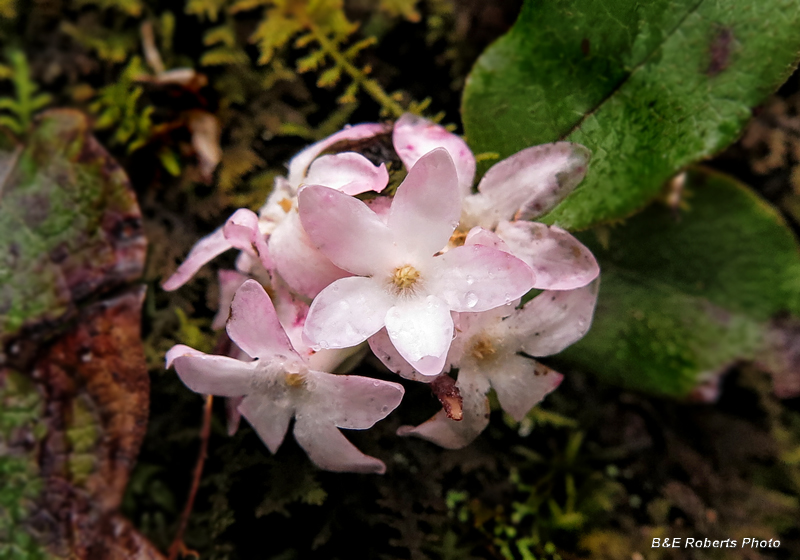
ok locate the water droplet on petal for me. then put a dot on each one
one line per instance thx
(376, 383)
(472, 299)
(470, 280)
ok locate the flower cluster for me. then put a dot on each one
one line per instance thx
(431, 279)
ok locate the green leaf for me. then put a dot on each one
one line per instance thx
(649, 87)
(686, 294)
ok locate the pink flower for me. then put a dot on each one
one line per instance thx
(279, 385)
(399, 280)
(519, 188)
(289, 251)
(486, 352)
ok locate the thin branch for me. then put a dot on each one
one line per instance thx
(177, 547)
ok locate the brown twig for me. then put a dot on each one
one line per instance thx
(177, 547)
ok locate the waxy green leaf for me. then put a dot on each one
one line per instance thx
(649, 87)
(686, 293)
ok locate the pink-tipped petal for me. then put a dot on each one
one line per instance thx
(229, 281)
(531, 182)
(347, 313)
(242, 231)
(476, 278)
(480, 236)
(521, 383)
(452, 434)
(355, 402)
(414, 136)
(232, 415)
(349, 172)
(381, 345)
(351, 235)
(269, 418)
(553, 320)
(304, 268)
(421, 330)
(203, 251)
(427, 205)
(559, 261)
(215, 375)
(254, 325)
(180, 350)
(300, 163)
(330, 450)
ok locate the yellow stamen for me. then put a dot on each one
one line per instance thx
(405, 277)
(483, 349)
(286, 204)
(295, 380)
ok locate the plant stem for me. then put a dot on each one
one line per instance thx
(177, 547)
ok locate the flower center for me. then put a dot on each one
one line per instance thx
(483, 349)
(295, 379)
(404, 277)
(286, 204)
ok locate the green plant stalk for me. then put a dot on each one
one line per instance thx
(368, 85)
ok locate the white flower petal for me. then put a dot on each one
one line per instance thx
(421, 329)
(242, 230)
(480, 236)
(351, 235)
(476, 278)
(531, 182)
(254, 325)
(559, 261)
(414, 136)
(212, 375)
(521, 383)
(553, 320)
(229, 281)
(348, 172)
(427, 205)
(269, 418)
(347, 313)
(330, 450)
(203, 251)
(455, 434)
(300, 163)
(352, 401)
(384, 350)
(304, 268)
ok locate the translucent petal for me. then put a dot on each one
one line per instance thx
(421, 330)
(330, 450)
(348, 172)
(304, 268)
(229, 281)
(254, 325)
(384, 350)
(521, 383)
(559, 261)
(480, 236)
(241, 229)
(346, 231)
(530, 183)
(203, 251)
(414, 136)
(213, 375)
(300, 163)
(352, 401)
(427, 205)
(553, 320)
(270, 419)
(452, 434)
(476, 278)
(347, 313)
